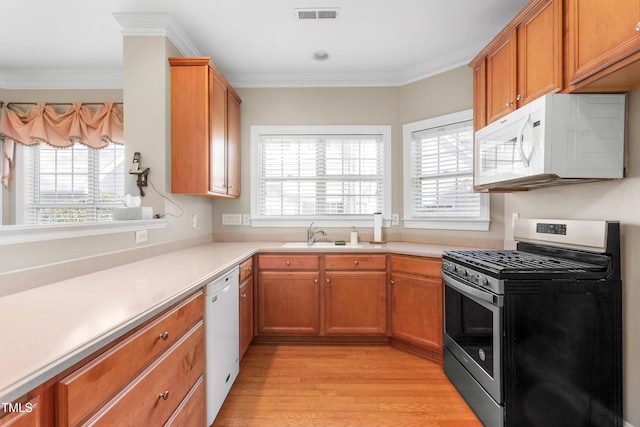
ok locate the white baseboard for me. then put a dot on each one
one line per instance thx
(626, 424)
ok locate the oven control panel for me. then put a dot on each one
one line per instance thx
(472, 276)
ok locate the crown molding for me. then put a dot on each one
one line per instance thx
(365, 79)
(156, 24)
(62, 79)
(162, 25)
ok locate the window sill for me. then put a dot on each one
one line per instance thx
(469, 225)
(13, 234)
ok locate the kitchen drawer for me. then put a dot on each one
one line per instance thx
(158, 391)
(191, 411)
(355, 262)
(83, 391)
(288, 262)
(416, 265)
(26, 415)
(246, 269)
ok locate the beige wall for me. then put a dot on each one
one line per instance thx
(608, 200)
(446, 93)
(147, 111)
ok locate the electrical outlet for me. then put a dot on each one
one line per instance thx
(395, 219)
(141, 236)
(194, 221)
(246, 219)
(231, 219)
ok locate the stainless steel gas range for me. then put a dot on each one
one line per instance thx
(533, 336)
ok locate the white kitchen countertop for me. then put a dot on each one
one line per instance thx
(48, 329)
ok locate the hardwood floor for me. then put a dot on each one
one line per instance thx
(322, 385)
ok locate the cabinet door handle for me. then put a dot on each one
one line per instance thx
(243, 295)
(315, 280)
(164, 335)
(509, 103)
(328, 280)
(393, 282)
(164, 395)
(519, 97)
(355, 261)
(638, 26)
(288, 262)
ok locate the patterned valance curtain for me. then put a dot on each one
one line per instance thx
(94, 127)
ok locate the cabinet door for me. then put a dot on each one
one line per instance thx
(218, 150)
(233, 144)
(289, 303)
(190, 125)
(355, 303)
(479, 94)
(540, 52)
(246, 316)
(416, 311)
(600, 34)
(501, 78)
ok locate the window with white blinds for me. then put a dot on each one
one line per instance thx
(438, 175)
(71, 185)
(332, 175)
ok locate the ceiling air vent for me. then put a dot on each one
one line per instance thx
(316, 14)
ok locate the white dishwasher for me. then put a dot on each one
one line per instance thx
(222, 340)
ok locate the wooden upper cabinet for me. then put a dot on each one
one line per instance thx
(218, 151)
(233, 144)
(604, 37)
(501, 78)
(480, 94)
(521, 64)
(540, 52)
(205, 130)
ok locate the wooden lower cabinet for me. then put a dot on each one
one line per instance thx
(416, 305)
(190, 412)
(288, 303)
(154, 395)
(246, 306)
(27, 414)
(142, 379)
(355, 303)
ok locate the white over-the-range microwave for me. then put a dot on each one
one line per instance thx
(555, 139)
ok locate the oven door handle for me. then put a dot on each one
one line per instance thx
(497, 300)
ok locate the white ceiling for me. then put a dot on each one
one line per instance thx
(256, 43)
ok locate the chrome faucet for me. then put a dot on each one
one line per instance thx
(311, 234)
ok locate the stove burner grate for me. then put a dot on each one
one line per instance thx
(512, 260)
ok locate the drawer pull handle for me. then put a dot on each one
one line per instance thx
(164, 335)
(288, 262)
(355, 261)
(164, 395)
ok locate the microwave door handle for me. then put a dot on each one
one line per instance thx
(525, 159)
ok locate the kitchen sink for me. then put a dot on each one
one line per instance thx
(318, 245)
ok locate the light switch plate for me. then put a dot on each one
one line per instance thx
(141, 236)
(231, 219)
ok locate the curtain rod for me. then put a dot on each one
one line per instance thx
(2, 103)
